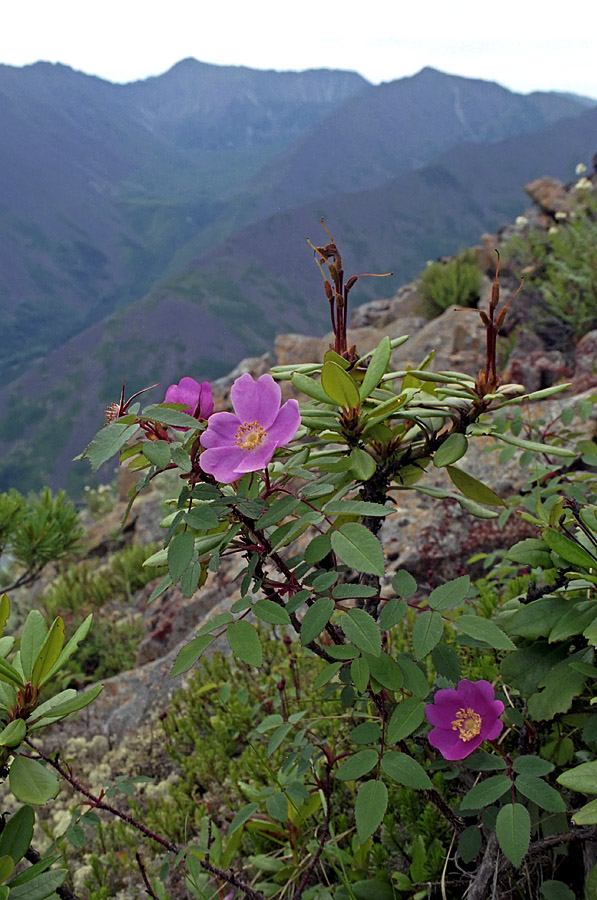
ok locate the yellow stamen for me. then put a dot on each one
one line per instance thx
(467, 723)
(250, 435)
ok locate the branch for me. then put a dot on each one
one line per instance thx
(99, 803)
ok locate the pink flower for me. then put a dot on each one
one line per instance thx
(196, 397)
(246, 440)
(464, 718)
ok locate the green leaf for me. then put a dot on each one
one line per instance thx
(391, 613)
(469, 844)
(405, 770)
(450, 594)
(540, 793)
(427, 632)
(318, 549)
(531, 552)
(367, 733)
(277, 737)
(358, 548)
(4, 611)
(49, 653)
(80, 701)
(203, 518)
(326, 674)
(17, 834)
(32, 639)
(404, 584)
(166, 416)
(108, 442)
(362, 464)
(587, 814)
(356, 508)
(376, 368)
(242, 816)
(71, 645)
(513, 829)
(348, 591)
(472, 488)
(415, 680)
(357, 765)
(484, 630)
(190, 653)
(42, 887)
(359, 672)
(370, 808)
(582, 778)
(10, 675)
(311, 388)
(406, 718)
(180, 554)
(362, 630)
(157, 452)
(277, 512)
(556, 890)
(486, 792)
(13, 734)
(534, 446)
(386, 671)
(244, 642)
(315, 620)
(339, 386)
(453, 449)
(30, 782)
(532, 765)
(271, 612)
(561, 685)
(277, 806)
(447, 662)
(569, 551)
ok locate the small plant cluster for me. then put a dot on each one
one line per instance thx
(400, 740)
(561, 263)
(455, 282)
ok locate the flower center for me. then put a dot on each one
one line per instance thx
(250, 435)
(467, 723)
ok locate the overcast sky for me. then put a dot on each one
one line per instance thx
(519, 43)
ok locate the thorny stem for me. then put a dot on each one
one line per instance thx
(99, 803)
(148, 887)
(327, 791)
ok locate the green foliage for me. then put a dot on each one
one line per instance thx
(562, 264)
(455, 282)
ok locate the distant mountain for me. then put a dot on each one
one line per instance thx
(158, 228)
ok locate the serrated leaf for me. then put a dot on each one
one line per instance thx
(157, 452)
(339, 385)
(569, 551)
(376, 368)
(370, 808)
(42, 887)
(367, 733)
(315, 620)
(190, 653)
(414, 679)
(539, 792)
(484, 630)
(391, 613)
(31, 783)
(486, 792)
(386, 671)
(277, 737)
(447, 662)
(359, 672)
(582, 778)
(108, 442)
(166, 416)
(427, 632)
(349, 591)
(450, 594)
(356, 508)
(277, 806)
(532, 765)
(362, 630)
(406, 770)
(244, 642)
(271, 612)
(531, 552)
(404, 584)
(318, 549)
(406, 718)
(358, 548)
(473, 488)
(326, 674)
(277, 512)
(203, 518)
(453, 449)
(513, 830)
(587, 814)
(469, 844)
(357, 765)
(180, 554)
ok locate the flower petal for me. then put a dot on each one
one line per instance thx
(286, 424)
(186, 391)
(222, 462)
(451, 745)
(221, 431)
(258, 458)
(256, 401)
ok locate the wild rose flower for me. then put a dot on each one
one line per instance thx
(463, 718)
(196, 397)
(245, 441)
